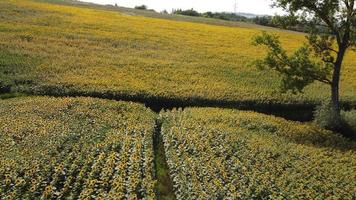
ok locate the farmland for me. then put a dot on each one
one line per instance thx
(100, 102)
(68, 50)
(221, 153)
(75, 148)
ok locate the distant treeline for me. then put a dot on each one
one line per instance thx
(144, 7)
(215, 15)
(284, 22)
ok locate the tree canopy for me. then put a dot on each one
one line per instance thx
(332, 31)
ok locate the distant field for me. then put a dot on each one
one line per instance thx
(58, 49)
(148, 13)
(221, 153)
(74, 148)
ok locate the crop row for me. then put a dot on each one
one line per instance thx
(72, 148)
(227, 154)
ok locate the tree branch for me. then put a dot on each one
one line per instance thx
(327, 48)
(325, 19)
(326, 80)
(327, 61)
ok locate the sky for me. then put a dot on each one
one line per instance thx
(246, 6)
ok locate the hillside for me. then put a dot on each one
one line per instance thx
(103, 102)
(149, 13)
(71, 50)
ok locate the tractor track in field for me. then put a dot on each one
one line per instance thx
(164, 185)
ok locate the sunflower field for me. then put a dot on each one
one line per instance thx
(58, 49)
(87, 148)
(75, 148)
(228, 154)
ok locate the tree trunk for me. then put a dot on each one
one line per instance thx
(335, 95)
(335, 98)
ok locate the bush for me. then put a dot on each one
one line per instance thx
(4, 88)
(350, 118)
(190, 12)
(326, 116)
(263, 20)
(142, 7)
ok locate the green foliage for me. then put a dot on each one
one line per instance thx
(263, 20)
(11, 95)
(326, 116)
(284, 22)
(225, 16)
(300, 70)
(322, 46)
(216, 15)
(142, 7)
(338, 16)
(350, 118)
(189, 12)
(353, 34)
(297, 70)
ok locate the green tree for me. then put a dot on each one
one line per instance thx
(141, 7)
(332, 32)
